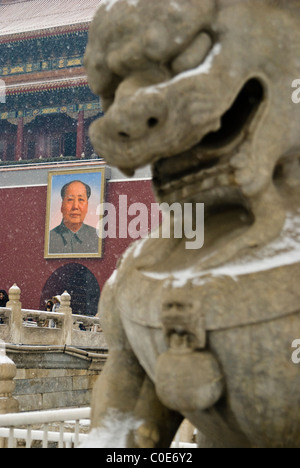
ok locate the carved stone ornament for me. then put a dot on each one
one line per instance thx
(201, 90)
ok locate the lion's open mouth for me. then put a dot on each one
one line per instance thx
(208, 161)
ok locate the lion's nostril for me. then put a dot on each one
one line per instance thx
(123, 135)
(152, 122)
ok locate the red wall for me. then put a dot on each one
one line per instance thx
(22, 234)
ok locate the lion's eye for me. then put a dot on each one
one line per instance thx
(193, 55)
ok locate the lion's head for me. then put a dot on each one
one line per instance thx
(200, 90)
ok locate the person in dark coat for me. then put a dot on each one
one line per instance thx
(49, 305)
(3, 298)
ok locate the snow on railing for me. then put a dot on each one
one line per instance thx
(41, 319)
(68, 435)
(70, 424)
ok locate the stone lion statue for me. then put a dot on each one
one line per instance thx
(200, 90)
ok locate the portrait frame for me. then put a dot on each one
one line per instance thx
(96, 180)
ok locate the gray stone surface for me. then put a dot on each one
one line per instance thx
(50, 379)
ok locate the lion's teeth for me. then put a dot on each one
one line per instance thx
(206, 179)
(223, 179)
(189, 178)
(186, 191)
(208, 183)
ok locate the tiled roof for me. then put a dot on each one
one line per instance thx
(36, 15)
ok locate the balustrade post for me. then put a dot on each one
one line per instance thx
(8, 371)
(16, 318)
(65, 308)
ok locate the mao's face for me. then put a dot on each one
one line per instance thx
(75, 206)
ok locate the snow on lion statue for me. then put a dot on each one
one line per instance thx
(201, 90)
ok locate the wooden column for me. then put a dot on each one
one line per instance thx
(40, 146)
(80, 135)
(20, 138)
(5, 151)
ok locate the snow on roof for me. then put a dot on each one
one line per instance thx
(46, 84)
(35, 15)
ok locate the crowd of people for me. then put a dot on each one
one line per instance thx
(53, 305)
